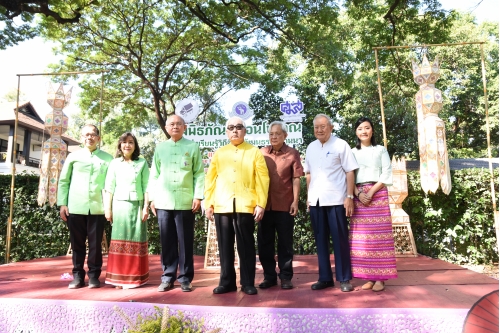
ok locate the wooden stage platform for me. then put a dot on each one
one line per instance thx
(426, 290)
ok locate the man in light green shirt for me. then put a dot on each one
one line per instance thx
(79, 196)
(175, 189)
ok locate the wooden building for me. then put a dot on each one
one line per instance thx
(30, 136)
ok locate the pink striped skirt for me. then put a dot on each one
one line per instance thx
(371, 238)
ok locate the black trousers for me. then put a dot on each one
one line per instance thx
(177, 238)
(326, 221)
(280, 223)
(241, 225)
(80, 228)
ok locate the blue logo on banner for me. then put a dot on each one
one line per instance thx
(242, 110)
(291, 111)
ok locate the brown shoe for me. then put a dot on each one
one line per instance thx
(368, 285)
(378, 286)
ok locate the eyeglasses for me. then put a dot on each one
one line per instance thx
(89, 135)
(239, 127)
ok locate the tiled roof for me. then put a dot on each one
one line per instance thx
(31, 119)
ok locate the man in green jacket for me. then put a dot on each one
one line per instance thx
(175, 189)
(79, 196)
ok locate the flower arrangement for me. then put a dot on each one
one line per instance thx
(163, 322)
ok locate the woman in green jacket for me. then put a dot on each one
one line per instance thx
(126, 206)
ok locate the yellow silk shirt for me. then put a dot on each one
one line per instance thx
(240, 173)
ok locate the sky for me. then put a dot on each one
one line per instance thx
(33, 56)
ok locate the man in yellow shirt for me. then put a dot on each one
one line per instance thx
(236, 187)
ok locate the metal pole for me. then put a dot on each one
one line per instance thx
(13, 181)
(492, 182)
(63, 73)
(381, 99)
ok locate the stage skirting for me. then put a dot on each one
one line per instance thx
(41, 316)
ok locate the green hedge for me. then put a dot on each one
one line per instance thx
(457, 228)
(39, 232)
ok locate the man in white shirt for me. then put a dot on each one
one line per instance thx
(329, 170)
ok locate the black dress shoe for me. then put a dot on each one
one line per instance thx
(286, 284)
(267, 284)
(186, 286)
(223, 290)
(346, 286)
(76, 283)
(164, 286)
(249, 290)
(94, 283)
(321, 285)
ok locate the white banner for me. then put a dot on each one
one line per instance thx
(214, 136)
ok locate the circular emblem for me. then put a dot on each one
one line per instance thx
(242, 110)
(188, 109)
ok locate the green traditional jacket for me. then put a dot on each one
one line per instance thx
(127, 181)
(82, 180)
(177, 175)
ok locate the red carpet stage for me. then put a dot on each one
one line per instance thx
(430, 295)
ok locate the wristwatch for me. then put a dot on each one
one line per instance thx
(350, 196)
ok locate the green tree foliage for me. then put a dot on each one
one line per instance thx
(156, 54)
(114, 125)
(159, 52)
(462, 86)
(338, 78)
(344, 85)
(289, 22)
(62, 11)
(11, 96)
(12, 33)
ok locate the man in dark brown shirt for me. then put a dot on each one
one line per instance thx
(285, 170)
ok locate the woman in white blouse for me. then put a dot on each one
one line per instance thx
(370, 234)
